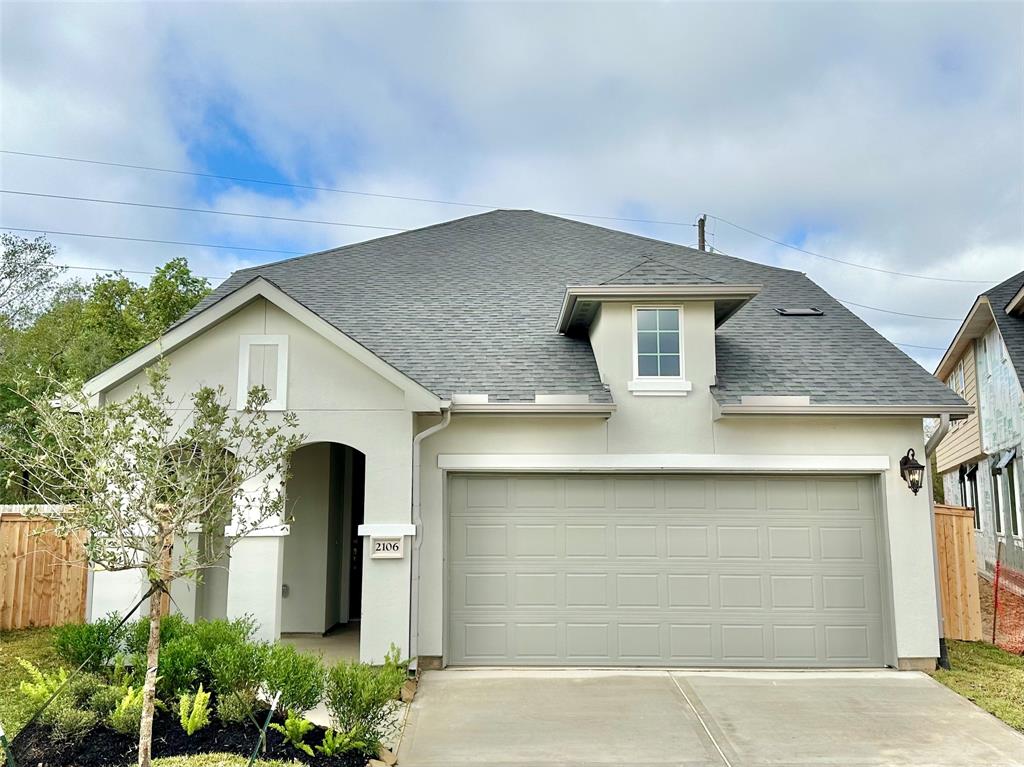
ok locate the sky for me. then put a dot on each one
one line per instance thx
(886, 135)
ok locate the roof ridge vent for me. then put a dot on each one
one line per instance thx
(800, 311)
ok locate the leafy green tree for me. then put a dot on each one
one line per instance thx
(140, 474)
(27, 274)
(81, 329)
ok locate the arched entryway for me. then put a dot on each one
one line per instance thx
(322, 568)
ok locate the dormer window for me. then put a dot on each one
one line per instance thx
(263, 361)
(657, 343)
(658, 351)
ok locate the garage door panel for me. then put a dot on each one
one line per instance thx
(656, 571)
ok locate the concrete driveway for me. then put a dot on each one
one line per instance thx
(714, 719)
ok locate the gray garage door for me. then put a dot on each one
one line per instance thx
(664, 570)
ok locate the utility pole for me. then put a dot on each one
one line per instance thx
(700, 231)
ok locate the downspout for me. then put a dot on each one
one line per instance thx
(929, 451)
(417, 540)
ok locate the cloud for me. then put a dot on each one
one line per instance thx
(885, 134)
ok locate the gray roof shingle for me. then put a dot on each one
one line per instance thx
(1011, 327)
(470, 306)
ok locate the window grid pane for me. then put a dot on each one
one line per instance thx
(658, 343)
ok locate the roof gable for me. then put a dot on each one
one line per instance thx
(197, 322)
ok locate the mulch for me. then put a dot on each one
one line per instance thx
(105, 748)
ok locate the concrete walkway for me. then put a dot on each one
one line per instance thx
(586, 718)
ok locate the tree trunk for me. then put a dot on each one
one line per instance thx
(156, 604)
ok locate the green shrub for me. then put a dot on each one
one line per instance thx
(70, 724)
(178, 667)
(237, 666)
(364, 697)
(82, 687)
(217, 633)
(127, 713)
(299, 677)
(40, 684)
(237, 706)
(105, 699)
(194, 711)
(295, 730)
(171, 627)
(98, 643)
(337, 743)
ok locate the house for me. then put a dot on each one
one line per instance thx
(532, 441)
(980, 459)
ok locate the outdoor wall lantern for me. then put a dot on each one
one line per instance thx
(911, 471)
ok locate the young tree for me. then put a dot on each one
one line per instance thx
(27, 275)
(140, 475)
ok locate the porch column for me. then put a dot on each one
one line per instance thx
(387, 508)
(255, 568)
(254, 582)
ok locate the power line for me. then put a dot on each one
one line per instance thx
(117, 269)
(437, 201)
(918, 346)
(902, 314)
(309, 187)
(159, 242)
(847, 263)
(210, 211)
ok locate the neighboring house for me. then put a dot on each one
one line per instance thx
(533, 441)
(980, 459)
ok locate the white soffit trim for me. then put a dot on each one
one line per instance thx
(561, 399)
(381, 530)
(419, 397)
(667, 462)
(605, 293)
(470, 399)
(775, 399)
(535, 408)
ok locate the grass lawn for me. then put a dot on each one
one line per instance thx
(216, 760)
(989, 677)
(32, 645)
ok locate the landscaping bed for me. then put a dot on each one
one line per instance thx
(215, 686)
(104, 747)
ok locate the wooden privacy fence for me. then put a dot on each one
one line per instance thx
(958, 572)
(43, 577)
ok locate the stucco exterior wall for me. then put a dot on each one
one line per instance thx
(684, 424)
(336, 399)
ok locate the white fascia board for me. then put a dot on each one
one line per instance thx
(922, 411)
(1016, 304)
(973, 326)
(667, 462)
(606, 293)
(418, 397)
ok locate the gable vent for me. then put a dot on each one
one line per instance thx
(810, 311)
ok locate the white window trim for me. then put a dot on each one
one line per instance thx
(997, 506)
(281, 342)
(659, 386)
(1013, 490)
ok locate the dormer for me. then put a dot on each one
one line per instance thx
(652, 340)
